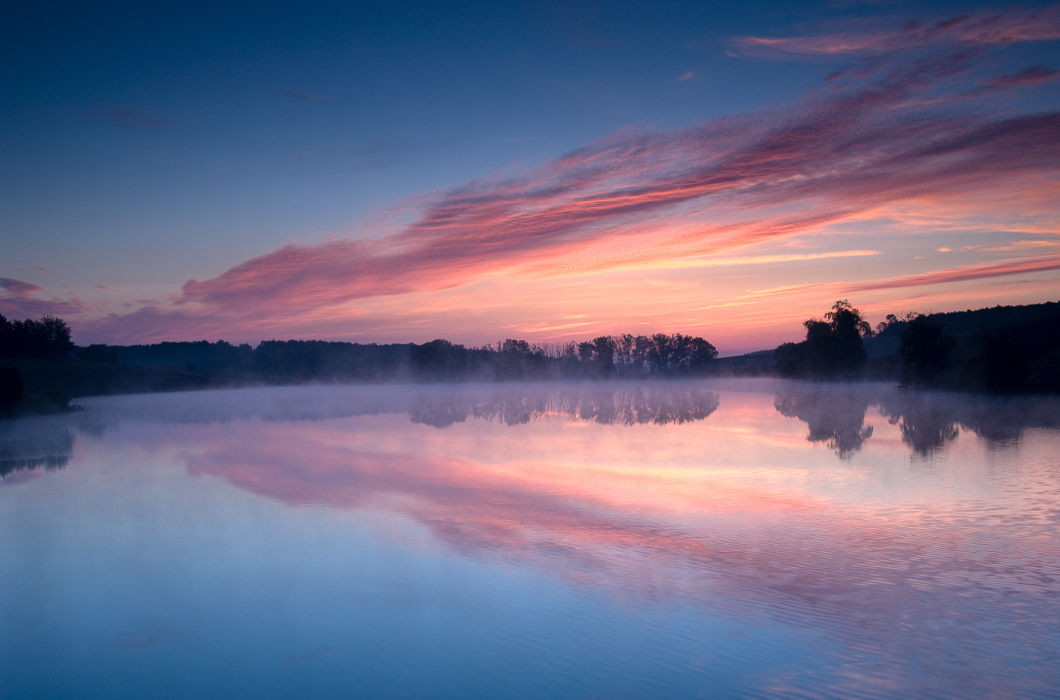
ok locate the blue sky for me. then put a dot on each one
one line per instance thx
(146, 145)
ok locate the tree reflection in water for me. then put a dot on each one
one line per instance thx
(608, 404)
(26, 446)
(927, 421)
(834, 413)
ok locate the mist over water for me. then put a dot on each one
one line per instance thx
(636, 539)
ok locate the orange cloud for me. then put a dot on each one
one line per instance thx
(961, 274)
(656, 202)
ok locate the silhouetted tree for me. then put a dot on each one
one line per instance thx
(625, 355)
(895, 321)
(819, 349)
(790, 359)
(46, 338)
(598, 356)
(925, 350)
(833, 346)
(519, 359)
(676, 354)
(11, 388)
(847, 327)
(1001, 363)
(438, 359)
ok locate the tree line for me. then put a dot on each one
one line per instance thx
(1002, 350)
(46, 338)
(626, 355)
(603, 357)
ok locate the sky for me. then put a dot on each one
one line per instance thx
(552, 172)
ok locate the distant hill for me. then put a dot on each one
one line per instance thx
(1033, 318)
(751, 364)
(1002, 348)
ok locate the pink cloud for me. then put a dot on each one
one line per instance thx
(970, 29)
(841, 160)
(18, 287)
(1031, 76)
(641, 198)
(20, 301)
(964, 273)
(695, 536)
(21, 307)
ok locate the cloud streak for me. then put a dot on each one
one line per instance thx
(20, 300)
(973, 29)
(34, 308)
(590, 194)
(963, 274)
(18, 287)
(1034, 75)
(896, 136)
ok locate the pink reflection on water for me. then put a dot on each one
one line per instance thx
(739, 502)
(888, 526)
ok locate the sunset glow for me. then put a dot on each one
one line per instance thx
(530, 349)
(915, 167)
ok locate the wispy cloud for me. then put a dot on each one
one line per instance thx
(557, 327)
(1031, 76)
(760, 181)
(1015, 246)
(18, 287)
(739, 260)
(678, 198)
(968, 29)
(21, 300)
(963, 274)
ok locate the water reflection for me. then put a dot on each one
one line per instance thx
(926, 424)
(32, 444)
(676, 496)
(834, 414)
(927, 421)
(37, 442)
(629, 404)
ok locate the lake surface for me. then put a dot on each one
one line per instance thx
(656, 539)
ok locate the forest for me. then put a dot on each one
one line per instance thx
(1010, 349)
(299, 360)
(1014, 349)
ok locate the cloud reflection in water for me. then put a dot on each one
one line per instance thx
(691, 494)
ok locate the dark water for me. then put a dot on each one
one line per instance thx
(625, 540)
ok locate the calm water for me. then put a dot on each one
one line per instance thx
(624, 540)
